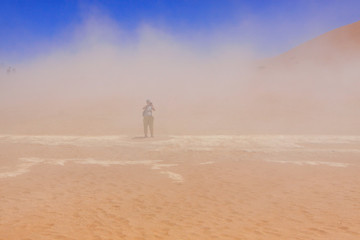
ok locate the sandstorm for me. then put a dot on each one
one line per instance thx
(97, 80)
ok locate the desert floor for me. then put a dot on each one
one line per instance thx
(179, 187)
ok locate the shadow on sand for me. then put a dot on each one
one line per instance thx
(157, 138)
(135, 138)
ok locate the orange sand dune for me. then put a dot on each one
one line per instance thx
(338, 46)
(313, 88)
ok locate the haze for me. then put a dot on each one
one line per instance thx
(256, 123)
(99, 80)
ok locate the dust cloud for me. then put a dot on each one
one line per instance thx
(97, 81)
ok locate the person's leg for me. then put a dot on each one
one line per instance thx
(151, 125)
(145, 121)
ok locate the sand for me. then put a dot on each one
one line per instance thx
(179, 187)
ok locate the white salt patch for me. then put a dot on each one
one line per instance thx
(107, 163)
(159, 166)
(330, 164)
(27, 163)
(174, 176)
(32, 161)
(221, 142)
(266, 143)
(86, 141)
(87, 161)
(206, 163)
(258, 150)
(52, 161)
(313, 163)
(141, 162)
(60, 162)
(92, 161)
(19, 169)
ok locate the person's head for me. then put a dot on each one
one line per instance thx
(148, 101)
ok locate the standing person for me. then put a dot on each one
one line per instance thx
(148, 118)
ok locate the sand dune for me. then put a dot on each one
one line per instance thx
(340, 46)
(313, 88)
(179, 187)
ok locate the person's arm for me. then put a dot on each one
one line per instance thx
(152, 107)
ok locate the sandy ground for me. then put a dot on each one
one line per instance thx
(179, 187)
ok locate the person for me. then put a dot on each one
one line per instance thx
(148, 118)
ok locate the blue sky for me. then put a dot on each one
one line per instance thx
(273, 26)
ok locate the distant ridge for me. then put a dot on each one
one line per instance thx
(337, 46)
